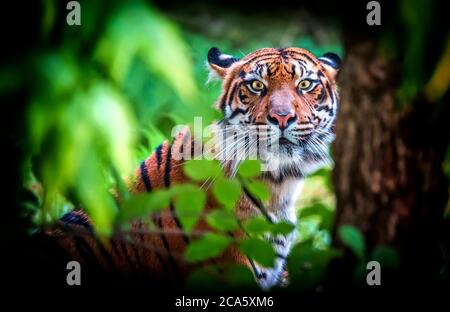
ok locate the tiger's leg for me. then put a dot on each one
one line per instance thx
(268, 277)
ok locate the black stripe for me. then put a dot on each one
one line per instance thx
(242, 97)
(74, 217)
(321, 96)
(305, 56)
(252, 264)
(145, 177)
(258, 274)
(157, 254)
(167, 184)
(302, 63)
(280, 256)
(327, 85)
(136, 255)
(284, 56)
(124, 244)
(238, 111)
(323, 107)
(247, 146)
(276, 241)
(259, 69)
(224, 98)
(158, 155)
(261, 56)
(303, 68)
(269, 72)
(192, 149)
(293, 71)
(331, 95)
(178, 223)
(214, 262)
(257, 203)
(168, 166)
(86, 252)
(120, 248)
(123, 249)
(233, 92)
(163, 237)
(257, 142)
(106, 255)
(223, 102)
(167, 170)
(262, 275)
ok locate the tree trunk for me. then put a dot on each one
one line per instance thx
(388, 173)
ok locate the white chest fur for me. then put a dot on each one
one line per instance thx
(283, 198)
(280, 208)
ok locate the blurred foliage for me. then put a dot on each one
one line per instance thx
(94, 114)
(424, 69)
(307, 266)
(107, 93)
(352, 238)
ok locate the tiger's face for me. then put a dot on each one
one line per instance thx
(288, 91)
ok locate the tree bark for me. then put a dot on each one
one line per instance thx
(388, 174)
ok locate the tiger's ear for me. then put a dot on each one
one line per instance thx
(331, 62)
(219, 62)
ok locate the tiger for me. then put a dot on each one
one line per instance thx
(289, 91)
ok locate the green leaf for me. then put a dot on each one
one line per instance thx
(319, 209)
(240, 276)
(282, 228)
(222, 220)
(200, 170)
(258, 189)
(153, 38)
(227, 192)
(209, 246)
(142, 205)
(307, 265)
(249, 168)
(189, 203)
(386, 256)
(353, 239)
(259, 250)
(322, 240)
(308, 227)
(359, 273)
(205, 278)
(257, 225)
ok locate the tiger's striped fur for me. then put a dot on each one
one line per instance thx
(303, 118)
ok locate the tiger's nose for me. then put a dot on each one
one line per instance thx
(281, 119)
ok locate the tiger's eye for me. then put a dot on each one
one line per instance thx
(304, 84)
(257, 85)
